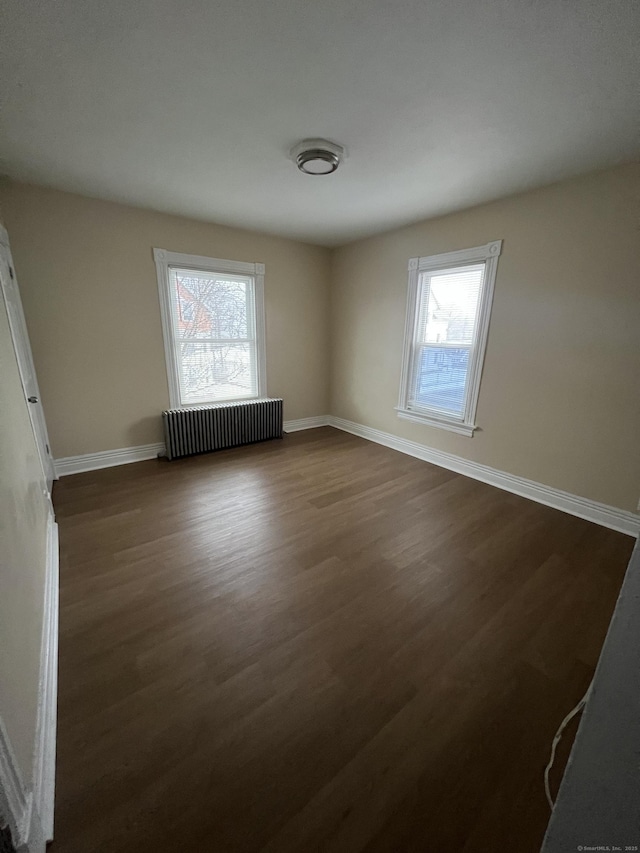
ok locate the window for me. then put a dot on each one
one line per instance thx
(213, 325)
(448, 310)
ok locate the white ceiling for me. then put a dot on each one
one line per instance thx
(191, 106)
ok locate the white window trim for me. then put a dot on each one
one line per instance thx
(488, 254)
(164, 261)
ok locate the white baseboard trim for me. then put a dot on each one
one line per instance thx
(607, 516)
(306, 423)
(106, 459)
(124, 455)
(44, 766)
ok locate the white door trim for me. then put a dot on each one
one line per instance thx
(22, 347)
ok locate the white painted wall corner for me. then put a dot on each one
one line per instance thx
(16, 801)
(28, 807)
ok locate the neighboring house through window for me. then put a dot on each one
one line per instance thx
(448, 310)
(213, 326)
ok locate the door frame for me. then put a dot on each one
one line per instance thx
(21, 344)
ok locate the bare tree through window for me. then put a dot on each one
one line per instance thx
(216, 334)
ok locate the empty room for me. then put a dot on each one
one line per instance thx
(319, 424)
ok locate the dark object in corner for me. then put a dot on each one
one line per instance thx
(6, 844)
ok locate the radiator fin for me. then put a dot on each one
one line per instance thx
(204, 428)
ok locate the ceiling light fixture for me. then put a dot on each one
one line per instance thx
(317, 156)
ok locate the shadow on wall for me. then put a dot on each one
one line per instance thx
(140, 432)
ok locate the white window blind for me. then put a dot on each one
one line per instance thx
(213, 331)
(448, 310)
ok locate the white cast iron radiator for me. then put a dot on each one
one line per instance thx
(200, 429)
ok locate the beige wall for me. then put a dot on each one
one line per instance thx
(559, 401)
(89, 290)
(23, 537)
(560, 394)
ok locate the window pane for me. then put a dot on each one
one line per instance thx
(441, 378)
(212, 306)
(449, 305)
(447, 313)
(211, 372)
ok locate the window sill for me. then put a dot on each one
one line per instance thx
(235, 401)
(430, 420)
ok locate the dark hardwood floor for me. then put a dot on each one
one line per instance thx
(317, 644)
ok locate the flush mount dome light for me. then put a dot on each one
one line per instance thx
(317, 156)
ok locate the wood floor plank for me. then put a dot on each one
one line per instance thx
(316, 644)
